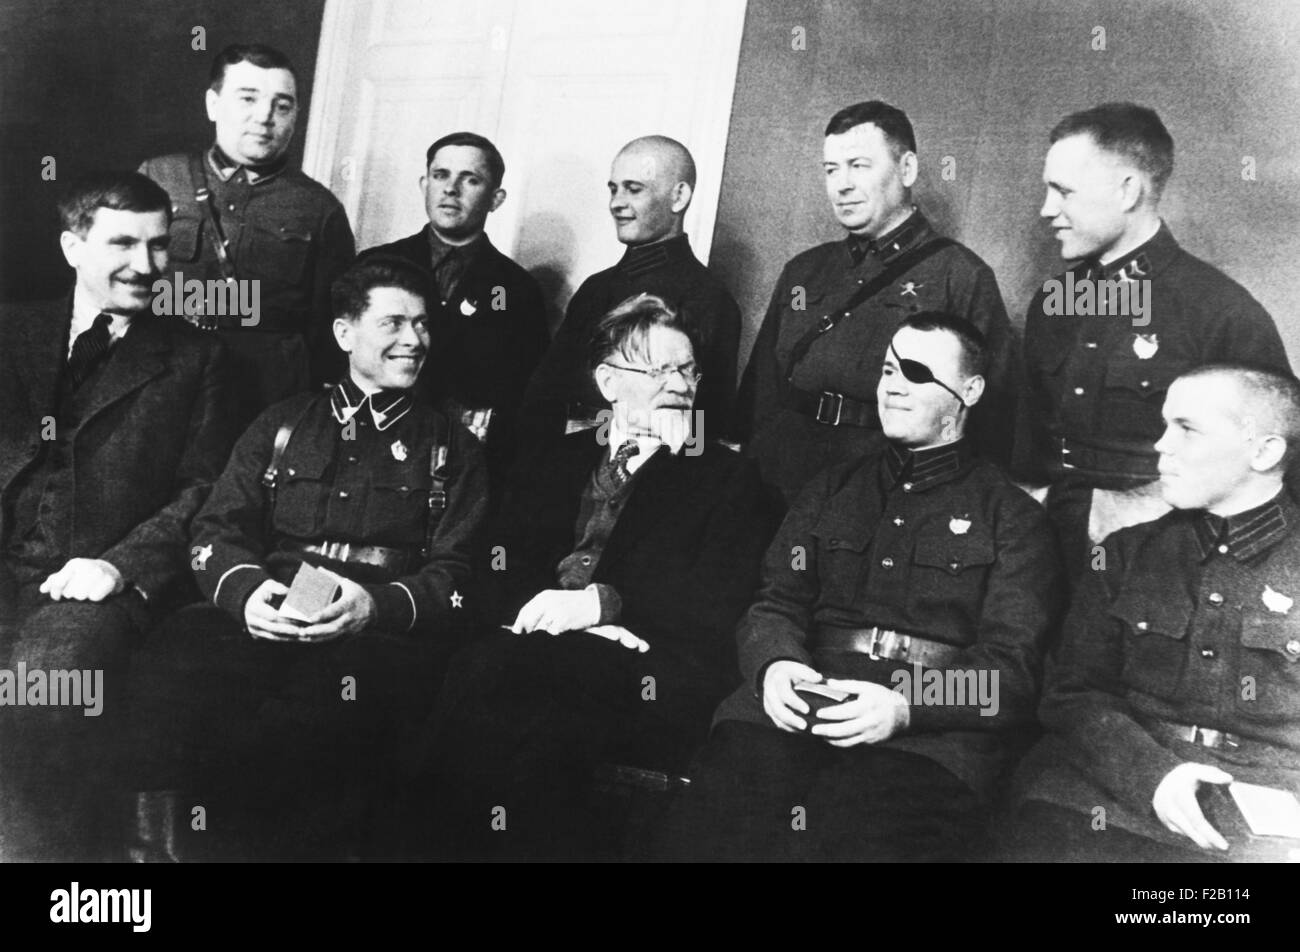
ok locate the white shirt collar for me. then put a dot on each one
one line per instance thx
(84, 313)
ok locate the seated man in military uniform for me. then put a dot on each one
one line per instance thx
(1177, 670)
(621, 561)
(385, 494)
(909, 591)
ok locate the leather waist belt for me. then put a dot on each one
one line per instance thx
(1111, 468)
(395, 560)
(1255, 750)
(834, 409)
(884, 644)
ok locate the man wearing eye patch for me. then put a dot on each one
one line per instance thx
(915, 585)
(806, 400)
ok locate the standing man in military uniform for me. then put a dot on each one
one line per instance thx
(920, 584)
(651, 184)
(487, 318)
(1104, 340)
(1177, 672)
(807, 400)
(384, 493)
(239, 212)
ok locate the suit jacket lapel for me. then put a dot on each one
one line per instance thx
(41, 351)
(138, 358)
(661, 486)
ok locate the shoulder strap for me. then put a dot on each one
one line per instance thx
(438, 454)
(895, 270)
(271, 476)
(199, 182)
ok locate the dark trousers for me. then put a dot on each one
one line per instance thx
(1047, 833)
(55, 801)
(524, 719)
(761, 794)
(287, 732)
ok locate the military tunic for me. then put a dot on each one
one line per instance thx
(209, 696)
(790, 444)
(933, 544)
(1096, 384)
(1188, 623)
(284, 230)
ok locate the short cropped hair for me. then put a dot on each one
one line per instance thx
(623, 330)
(350, 292)
(122, 191)
(1272, 398)
(1128, 130)
(265, 57)
(974, 347)
(892, 121)
(496, 164)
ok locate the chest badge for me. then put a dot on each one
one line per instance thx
(909, 289)
(468, 307)
(1276, 602)
(400, 451)
(958, 526)
(1146, 345)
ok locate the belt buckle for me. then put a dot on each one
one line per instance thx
(1213, 739)
(838, 399)
(876, 641)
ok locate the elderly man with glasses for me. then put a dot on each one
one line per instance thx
(621, 562)
(891, 659)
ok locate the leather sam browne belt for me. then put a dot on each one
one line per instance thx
(885, 644)
(385, 557)
(834, 409)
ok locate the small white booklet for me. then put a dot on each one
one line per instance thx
(1268, 810)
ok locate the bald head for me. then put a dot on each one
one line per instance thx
(650, 187)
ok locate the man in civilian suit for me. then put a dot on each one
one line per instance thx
(622, 560)
(110, 438)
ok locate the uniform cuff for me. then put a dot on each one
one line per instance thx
(235, 586)
(394, 606)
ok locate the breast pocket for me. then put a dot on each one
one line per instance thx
(842, 564)
(279, 253)
(949, 574)
(1270, 650)
(398, 505)
(1155, 648)
(302, 497)
(186, 235)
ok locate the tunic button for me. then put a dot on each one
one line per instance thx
(1293, 646)
(907, 487)
(343, 494)
(898, 521)
(292, 471)
(1091, 345)
(586, 560)
(1215, 599)
(887, 563)
(1142, 626)
(352, 459)
(1078, 391)
(1223, 550)
(232, 207)
(1145, 384)
(1207, 652)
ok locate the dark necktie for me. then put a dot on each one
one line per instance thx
(625, 452)
(448, 273)
(88, 349)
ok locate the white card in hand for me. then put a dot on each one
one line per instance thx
(1268, 810)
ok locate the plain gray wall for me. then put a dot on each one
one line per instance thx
(984, 81)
